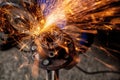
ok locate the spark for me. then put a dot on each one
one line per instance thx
(106, 64)
(75, 16)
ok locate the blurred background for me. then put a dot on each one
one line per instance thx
(100, 62)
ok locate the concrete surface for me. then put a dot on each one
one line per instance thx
(15, 66)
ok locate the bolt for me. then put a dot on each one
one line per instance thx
(34, 48)
(46, 62)
(51, 54)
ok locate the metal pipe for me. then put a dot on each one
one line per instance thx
(52, 75)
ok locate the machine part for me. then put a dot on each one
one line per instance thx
(33, 48)
(57, 49)
(52, 75)
(45, 62)
(52, 54)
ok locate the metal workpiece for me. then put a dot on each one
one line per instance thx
(57, 52)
